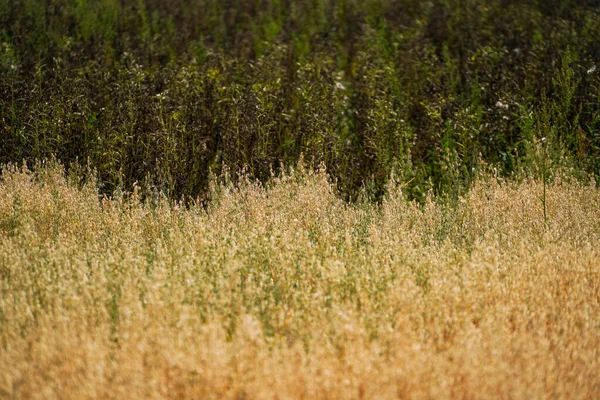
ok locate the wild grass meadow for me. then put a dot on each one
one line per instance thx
(308, 199)
(285, 291)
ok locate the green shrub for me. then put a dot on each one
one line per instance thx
(163, 92)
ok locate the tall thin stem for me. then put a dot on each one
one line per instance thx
(544, 175)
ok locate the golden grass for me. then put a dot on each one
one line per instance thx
(286, 292)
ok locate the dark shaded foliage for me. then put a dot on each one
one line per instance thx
(166, 91)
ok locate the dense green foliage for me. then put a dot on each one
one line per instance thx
(166, 91)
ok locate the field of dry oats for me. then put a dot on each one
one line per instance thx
(283, 291)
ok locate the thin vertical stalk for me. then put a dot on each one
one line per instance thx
(544, 177)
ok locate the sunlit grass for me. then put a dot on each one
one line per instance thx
(285, 291)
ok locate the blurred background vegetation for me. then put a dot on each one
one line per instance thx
(168, 92)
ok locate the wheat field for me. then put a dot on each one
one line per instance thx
(284, 291)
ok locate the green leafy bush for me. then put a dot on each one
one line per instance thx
(166, 91)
